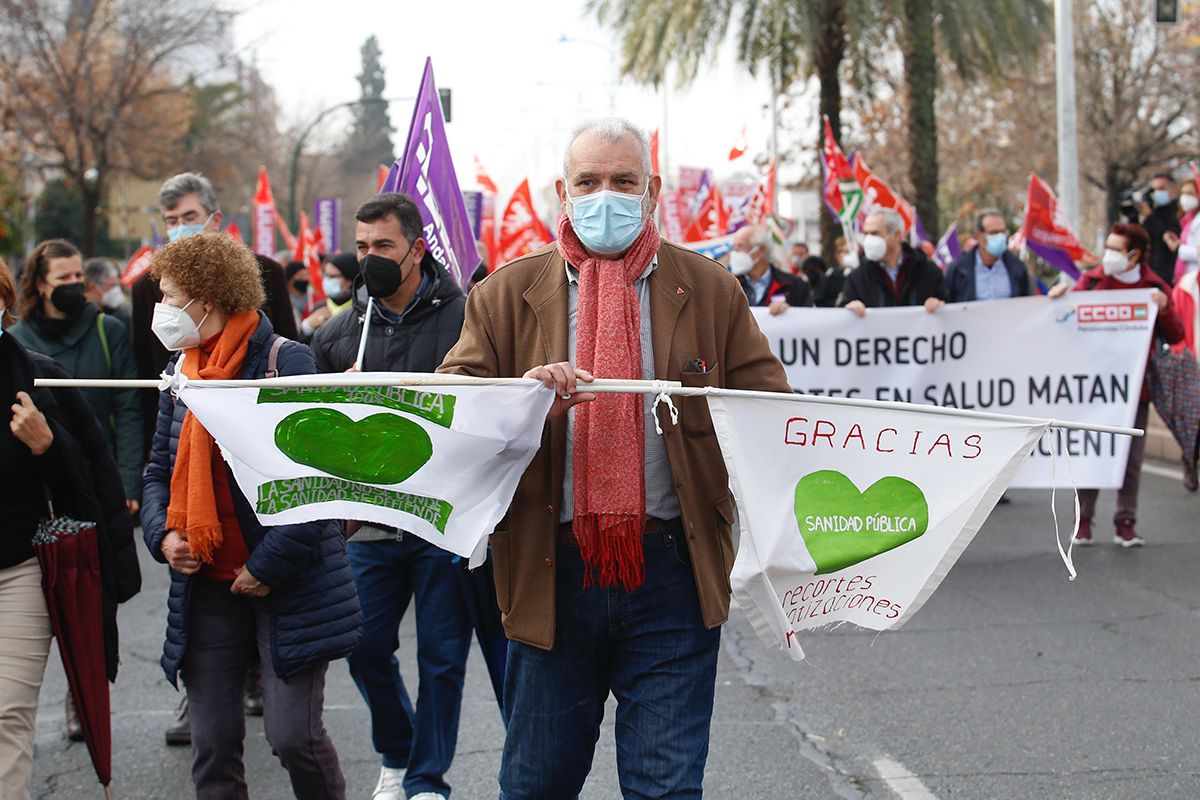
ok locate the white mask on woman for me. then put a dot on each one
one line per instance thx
(174, 327)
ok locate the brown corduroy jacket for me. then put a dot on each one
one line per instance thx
(517, 320)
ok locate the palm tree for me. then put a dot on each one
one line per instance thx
(980, 38)
(795, 39)
(790, 39)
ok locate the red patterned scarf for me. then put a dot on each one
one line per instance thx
(608, 451)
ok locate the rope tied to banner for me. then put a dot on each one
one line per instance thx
(659, 388)
(175, 382)
(1064, 554)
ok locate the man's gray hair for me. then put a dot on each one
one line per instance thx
(892, 221)
(183, 184)
(97, 270)
(988, 212)
(610, 129)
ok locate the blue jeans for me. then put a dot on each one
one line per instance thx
(389, 574)
(650, 648)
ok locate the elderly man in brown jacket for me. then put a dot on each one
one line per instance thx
(612, 566)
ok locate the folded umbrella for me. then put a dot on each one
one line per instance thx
(1175, 391)
(67, 552)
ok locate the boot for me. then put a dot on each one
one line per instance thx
(74, 728)
(180, 734)
(254, 699)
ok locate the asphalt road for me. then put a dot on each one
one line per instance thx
(1011, 682)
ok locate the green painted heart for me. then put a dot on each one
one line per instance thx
(842, 526)
(380, 449)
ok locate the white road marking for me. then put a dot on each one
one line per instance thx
(1162, 472)
(901, 780)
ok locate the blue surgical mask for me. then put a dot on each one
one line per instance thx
(179, 231)
(607, 222)
(332, 287)
(997, 243)
(1161, 197)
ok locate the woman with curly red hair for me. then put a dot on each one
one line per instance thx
(236, 585)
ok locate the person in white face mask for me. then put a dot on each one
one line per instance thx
(764, 283)
(891, 273)
(236, 584)
(102, 288)
(1184, 244)
(1124, 266)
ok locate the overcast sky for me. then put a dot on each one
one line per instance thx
(517, 90)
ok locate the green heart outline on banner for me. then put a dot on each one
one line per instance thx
(381, 449)
(842, 526)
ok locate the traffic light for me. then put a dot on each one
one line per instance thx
(444, 96)
(1166, 12)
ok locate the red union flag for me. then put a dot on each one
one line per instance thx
(739, 146)
(840, 190)
(307, 252)
(711, 221)
(521, 231)
(674, 207)
(1046, 230)
(877, 194)
(234, 231)
(264, 216)
(483, 179)
(139, 262)
(761, 204)
(654, 152)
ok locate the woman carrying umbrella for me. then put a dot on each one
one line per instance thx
(236, 585)
(51, 446)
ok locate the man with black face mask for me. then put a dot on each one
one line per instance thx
(415, 316)
(58, 321)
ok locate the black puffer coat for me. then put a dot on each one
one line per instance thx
(418, 343)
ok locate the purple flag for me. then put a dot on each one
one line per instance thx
(1054, 257)
(948, 247)
(425, 172)
(919, 233)
(327, 211)
(474, 201)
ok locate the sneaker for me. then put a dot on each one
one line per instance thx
(1126, 535)
(390, 786)
(180, 734)
(1083, 536)
(253, 702)
(428, 796)
(74, 728)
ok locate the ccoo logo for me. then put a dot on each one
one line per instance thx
(1112, 312)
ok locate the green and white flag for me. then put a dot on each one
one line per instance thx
(855, 513)
(438, 461)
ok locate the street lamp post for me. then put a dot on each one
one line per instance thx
(1068, 143)
(299, 148)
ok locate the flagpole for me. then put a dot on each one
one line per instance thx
(362, 340)
(599, 386)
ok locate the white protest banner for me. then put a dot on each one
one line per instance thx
(1081, 358)
(855, 514)
(442, 462)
